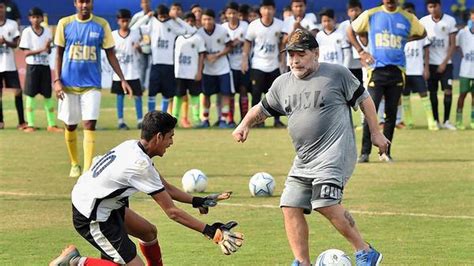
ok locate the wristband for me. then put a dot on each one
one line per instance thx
(198, 202)
(209, 231)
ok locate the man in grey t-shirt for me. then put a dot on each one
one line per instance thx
(317, 99)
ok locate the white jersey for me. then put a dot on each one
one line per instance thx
(309, 22)
(9, 31)
(414, 55)
(465, 40)
(438, 33)
(235, 56)
(127, 55)
(266, 41)
(32, 41)
(330, 47)
(118, 174)
(354, 63)
(163, 35)
(215, 43)
(186, 55)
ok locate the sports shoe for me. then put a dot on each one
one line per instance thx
(295, 263)
(448, 125)
(400, 125)
(29, 129)
(22, 126)
(69, 256)
(204, 124)
(386, 158)
(472, 125)
(433, 126)
(368, 258)
(185, 123)
(232, 125)
(55, 129)
(223, 124)
(139, 125)
(217, 123)
(123, 126)
(75, 171)
(363, 158)
(278, 124)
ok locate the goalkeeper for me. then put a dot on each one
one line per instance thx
(100, 202)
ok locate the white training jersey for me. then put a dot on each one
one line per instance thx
(414, 55)
(186, 55)
(163, 35)
(465, 41)
(115, 176)
(215, 42)
(235, 56)
(354, 63)
(309, 22)
(330, 46)
(9, 31)
(266, 44)
(127, 55)
(34, 42)
(438, 33)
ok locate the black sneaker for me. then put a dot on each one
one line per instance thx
(139, 125)
(278, 124)
(123, 126)
(363, 158)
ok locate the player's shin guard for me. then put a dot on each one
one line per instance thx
(88, 146)
(71, 144)
(195, 110)
(152, 252)
(19, 108)
(448, 100)
(407, 110)
(30, 111)
(49, 109)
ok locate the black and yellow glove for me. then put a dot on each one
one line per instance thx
(222, 235)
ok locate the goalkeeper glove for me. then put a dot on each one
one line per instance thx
(203, 203)
(222, 235)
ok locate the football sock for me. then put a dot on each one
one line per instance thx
(139, 108)
(459, 116)
(19, 108)
(434, 105)
(88, 146)
(195, 109)
(407, 110)
(472, 113)
(244, 106)
(164, 104)
(71, 144)
(219, 105)
(152, 252)
(448, 99)
(177, 104)
(84, 261)
(428, 110)
(205, 113)
(151, 103)
(49, 109)
(185, 108)
(399, 115)
(232, 108)
(120, 99)
(30, 111)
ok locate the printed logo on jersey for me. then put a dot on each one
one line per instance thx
(168, 29)
(162, 44)
(443, 28)
(401, 26)
(412, 52)
(184, 59)
(437, 43)
(192, 45)
(469, 56)
(79, 52)
(385, 39)
(94, 35)
(303, 100)
(218, 40)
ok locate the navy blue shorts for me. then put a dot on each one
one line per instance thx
(216, 84)
(162, 81)
(414, 84)
(241, 80)
(185, 85)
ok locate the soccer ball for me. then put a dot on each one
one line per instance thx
(333, 257)
(261, 185)
(194, 180)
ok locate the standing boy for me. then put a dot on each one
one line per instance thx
(36, 43)
(331, 41)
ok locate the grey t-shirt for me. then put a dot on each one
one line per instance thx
(319, 119)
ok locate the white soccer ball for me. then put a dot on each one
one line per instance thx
(194, 180)
(333, 257)
(261, 185)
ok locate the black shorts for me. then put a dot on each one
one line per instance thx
(414, 84)
(38, 80)
(109, 237)
(262, 81)
(445, 78)
(135, 84)
(185, 85)
(213, 84)
(11, 79)
(162, 81)
(241, 80)
(357, 72)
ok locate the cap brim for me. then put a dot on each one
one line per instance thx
(292, 48)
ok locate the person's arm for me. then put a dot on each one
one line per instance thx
(378, 139)
(365, 57)
(13, 44)
(449, 54)
(245, 56)
(426, 62)
(116, 67)
(176, 193)
(46, 48)
(143, 20)
(255, 116)
(57, 83)
(200, 67)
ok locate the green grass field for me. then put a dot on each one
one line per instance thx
(417, 211)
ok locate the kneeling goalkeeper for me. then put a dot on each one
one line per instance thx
(100, 202)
